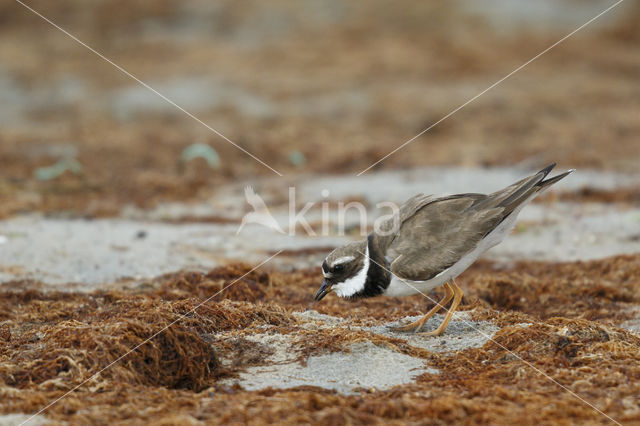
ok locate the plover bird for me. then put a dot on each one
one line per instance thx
(429, 243)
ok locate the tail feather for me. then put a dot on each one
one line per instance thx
(546, 170)
(531, 188)
(545, 183)
(525, 189)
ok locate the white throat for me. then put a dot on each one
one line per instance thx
(356, 283)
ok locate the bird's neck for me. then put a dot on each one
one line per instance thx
(378, 276)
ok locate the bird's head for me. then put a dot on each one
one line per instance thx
(345, 270)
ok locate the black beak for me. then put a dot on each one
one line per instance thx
(325, 289)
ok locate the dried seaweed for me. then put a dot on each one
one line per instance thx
(54, 341)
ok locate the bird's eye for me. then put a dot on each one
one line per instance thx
(338, 268)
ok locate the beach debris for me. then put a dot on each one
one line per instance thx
(58, 169)
(201, 150)
(297, 158)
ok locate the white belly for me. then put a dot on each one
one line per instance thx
(399, 287)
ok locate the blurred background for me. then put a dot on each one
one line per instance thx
(307, 86)
(120, 213)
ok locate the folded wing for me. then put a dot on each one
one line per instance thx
(436, 233)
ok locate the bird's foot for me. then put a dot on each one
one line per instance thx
(414, 327)
(432, 333)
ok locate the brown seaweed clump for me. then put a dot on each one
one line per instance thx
(95, 340)
(603, 290)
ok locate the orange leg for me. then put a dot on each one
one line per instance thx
(417, 325)
(457, 298)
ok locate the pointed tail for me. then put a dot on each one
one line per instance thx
(545, 183)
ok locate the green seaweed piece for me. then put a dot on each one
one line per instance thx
(297, 158)
(58, 169)
(200, 150)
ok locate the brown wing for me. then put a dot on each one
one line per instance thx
(439, 234)
(407, 210)
(436, 233)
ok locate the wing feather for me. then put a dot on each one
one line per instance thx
(438, 235)
(435, 233)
